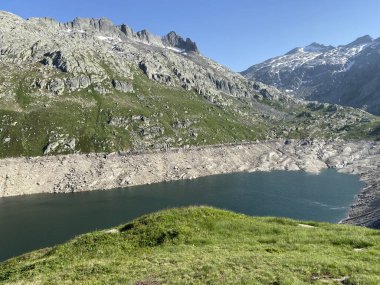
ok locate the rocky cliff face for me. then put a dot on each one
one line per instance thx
(172, 39)
(347, 75)
(81, 49)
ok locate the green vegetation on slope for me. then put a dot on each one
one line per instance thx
(202, 245)
(35, 122)
(117, 121)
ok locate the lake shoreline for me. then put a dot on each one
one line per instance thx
(87, 172)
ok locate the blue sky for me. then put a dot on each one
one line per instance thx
(236, 33)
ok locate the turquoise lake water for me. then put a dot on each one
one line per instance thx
(37, 221)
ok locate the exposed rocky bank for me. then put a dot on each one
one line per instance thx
(75, 173)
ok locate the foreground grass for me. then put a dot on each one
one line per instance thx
(202, 245)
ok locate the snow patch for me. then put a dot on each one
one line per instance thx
(177, 50)
(110, 39)
(349, 66)
(103, 38)
(346, 67)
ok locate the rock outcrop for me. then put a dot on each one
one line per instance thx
(176, 41)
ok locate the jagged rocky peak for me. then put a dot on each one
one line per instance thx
(313, 47)
(316, 47)
(361, 41)
(295, 50)
(126, 30)
(176, 41)
(106, 26)
(148, 37)
(103, 24)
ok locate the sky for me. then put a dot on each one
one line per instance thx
(236, 33)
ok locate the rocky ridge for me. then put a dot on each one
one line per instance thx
(79, 51)
(346, 75)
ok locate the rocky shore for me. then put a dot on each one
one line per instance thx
(86, 172)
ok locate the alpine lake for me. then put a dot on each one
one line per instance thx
(37, 221)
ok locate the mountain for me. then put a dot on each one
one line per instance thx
(92, 86)
(346, 75)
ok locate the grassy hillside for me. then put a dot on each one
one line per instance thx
(157, 116)
(202, 245)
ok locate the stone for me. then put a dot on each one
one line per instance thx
(176, 41)
(57, 86)
(78, 82)
(122, 86)
(56, 59)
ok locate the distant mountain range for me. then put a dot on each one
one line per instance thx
(346, 75)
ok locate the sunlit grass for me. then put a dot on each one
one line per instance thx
(200, 245)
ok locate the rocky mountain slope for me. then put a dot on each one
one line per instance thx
(347, 75)
(92, 86)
